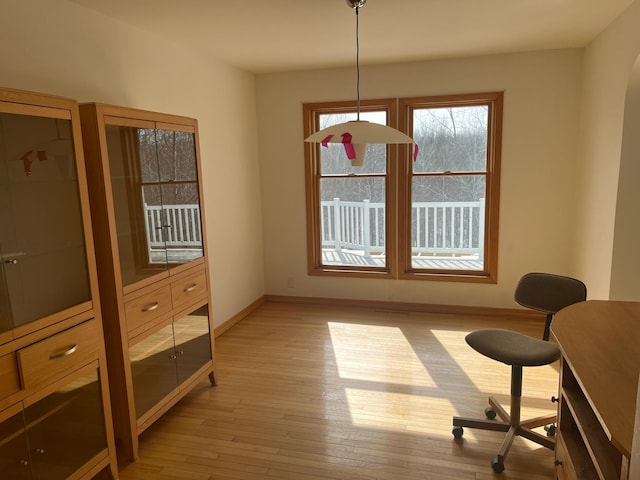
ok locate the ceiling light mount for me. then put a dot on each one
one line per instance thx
(356, 134)
(356, 3)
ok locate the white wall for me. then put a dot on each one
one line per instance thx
(557, 103)
(542, 101)
(60, 48)
(607, 66)
(625, 270)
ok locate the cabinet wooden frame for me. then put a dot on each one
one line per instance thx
(21, 394)
(115, 292)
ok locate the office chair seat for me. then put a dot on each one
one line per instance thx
(513, 348)
(546, 293)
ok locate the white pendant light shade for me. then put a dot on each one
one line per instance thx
(356, 135)
(361, 131)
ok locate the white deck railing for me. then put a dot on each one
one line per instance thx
(438, 227)
(173, 226)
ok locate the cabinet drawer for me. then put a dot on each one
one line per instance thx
(9, 379)
(184, 289)
(49, 360)
(147, 307)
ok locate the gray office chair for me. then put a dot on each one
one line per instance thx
(543, 292)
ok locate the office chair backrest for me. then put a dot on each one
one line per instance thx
(549, 293)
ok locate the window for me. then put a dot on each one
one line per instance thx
(450, 208)
(432, 218)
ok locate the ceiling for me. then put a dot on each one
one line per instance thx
(264, 36)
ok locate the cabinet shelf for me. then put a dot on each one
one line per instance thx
(602, 455)
(580, 461)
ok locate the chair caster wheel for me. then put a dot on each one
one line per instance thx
(550, 429)
(457, 432)
(490, 413)
(497, 465)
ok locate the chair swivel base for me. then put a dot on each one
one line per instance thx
(509, 424)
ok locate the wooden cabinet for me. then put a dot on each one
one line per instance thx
(144, 177)
(55, 415)
(58, 430)
(598, 390)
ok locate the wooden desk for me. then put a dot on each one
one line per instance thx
(600, 344)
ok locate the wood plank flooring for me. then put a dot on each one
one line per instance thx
(313, 392)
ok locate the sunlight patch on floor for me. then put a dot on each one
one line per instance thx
(387, 384)
(377, 354)
(393, 411)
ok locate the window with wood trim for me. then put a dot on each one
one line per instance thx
(450, 193)
(435, 217)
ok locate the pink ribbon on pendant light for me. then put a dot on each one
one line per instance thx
(326, 140)
(348, 146)
(350, 150)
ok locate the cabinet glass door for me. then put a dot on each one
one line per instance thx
(66, 429)
(154, 179)
(193, 343)
(180, 197)
(137, 201)
(153, 368)
(14, 451)
(42, 245)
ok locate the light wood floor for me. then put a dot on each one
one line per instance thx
(327, 392)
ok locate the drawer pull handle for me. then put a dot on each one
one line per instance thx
(11, 262)
(24, 463)
(40, 451)
(557, 463)
(63, 353)
(151, 307)
(190, 288)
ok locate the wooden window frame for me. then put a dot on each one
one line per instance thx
(494, 101)
(398, 180)
(311, 116)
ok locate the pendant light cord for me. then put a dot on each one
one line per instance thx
(357, 65)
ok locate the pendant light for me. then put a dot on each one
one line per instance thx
(356, 134)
